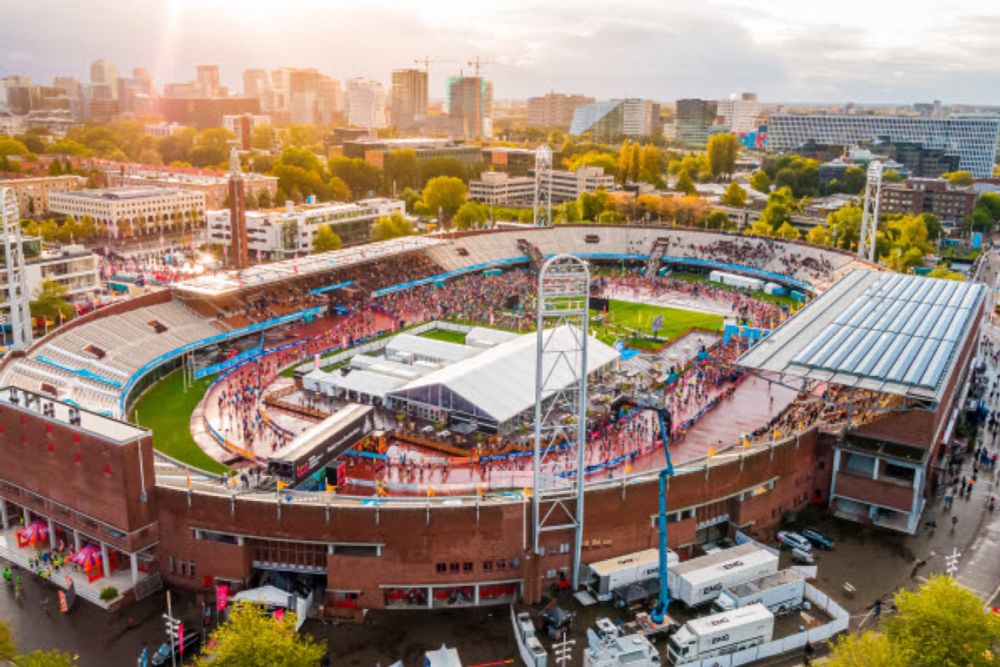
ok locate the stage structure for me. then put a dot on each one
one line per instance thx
(542, 216)
(557, 496)
(869, 215)
(18, 314)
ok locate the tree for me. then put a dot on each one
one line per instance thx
(8, 649)
(819, 235)
(775, 214)
(445, 166)
(717, 220)
(760, 181)
(651, 165)
(253, 638)
(263, 137)
(610, 217)
(325, 240)
(471, 215)
(50, 301)
(45, 659)
(696, 166)
(592, 159)
(722, 151)
(991, 202)
(854, 182)
(592, 204)
(959, 178)
(264, 199)
(400, 170)
(946, 273)
(623, 162)
(337, 190)
(734, 196)
(685, 184)
(941, 623)
(786, 231)
(892, 176)
(391, 227)
(634, 160)
(444, 194)
(9, 146)
(362, 178)
(570, 212)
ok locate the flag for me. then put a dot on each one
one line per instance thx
(711, 452)
(180, 638)
(282, 485)
(628, 468)
(330, 488)
(430, 492)
(221, 596)
(187, 479)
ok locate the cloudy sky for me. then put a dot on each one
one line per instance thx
(786, 50)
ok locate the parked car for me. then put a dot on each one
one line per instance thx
(801, 557)
(192, 640)
(791, 540)
(817, 538)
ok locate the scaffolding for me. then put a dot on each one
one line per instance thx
(542, 216)
(869, 215)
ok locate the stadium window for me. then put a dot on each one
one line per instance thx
(190, 568)
(487, 566)
(502, 564)
(466, 567)
(453, 567)
(441, 568)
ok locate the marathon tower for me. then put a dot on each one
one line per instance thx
(239, 255)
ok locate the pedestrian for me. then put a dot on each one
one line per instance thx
(954, 521)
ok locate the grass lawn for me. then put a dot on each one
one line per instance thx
(166, 410)
(445, 335)
(639, 316)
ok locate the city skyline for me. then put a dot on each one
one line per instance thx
(788, 53)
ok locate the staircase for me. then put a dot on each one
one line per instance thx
(660, 247)
(532, 252)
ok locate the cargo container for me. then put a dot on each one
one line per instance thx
(780, 592)
(700, 580)
(721, 634)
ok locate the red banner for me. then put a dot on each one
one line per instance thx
(180, 638)
(221, 596)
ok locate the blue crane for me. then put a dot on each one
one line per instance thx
(647, 402)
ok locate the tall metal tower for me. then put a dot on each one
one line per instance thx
(239, 257)
(561, 353)
(869, 215)
(543, 187)
(19, 317)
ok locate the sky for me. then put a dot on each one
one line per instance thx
(863, 51)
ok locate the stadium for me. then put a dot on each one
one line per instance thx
(358, 422)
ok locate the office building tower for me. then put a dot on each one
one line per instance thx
(554, 109)
(409, 97)
(256, 83)
(103, 80)
(613, 120)
(470, 106)
(927, 146)
(694, 120)
(365, 103)
(740, 113)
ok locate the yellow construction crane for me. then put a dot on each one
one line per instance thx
(478, 62)
(426, 61)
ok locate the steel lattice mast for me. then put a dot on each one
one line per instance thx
(19, 316)
(563, 303)
(869, 215)
(542, 215)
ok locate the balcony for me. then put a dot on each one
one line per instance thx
(888, 494)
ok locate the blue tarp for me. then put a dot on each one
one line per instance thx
(330, 288)
(82, 372)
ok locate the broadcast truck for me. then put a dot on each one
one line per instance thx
(702, 579)
(607, 575)
(721, 634)
(780, 592)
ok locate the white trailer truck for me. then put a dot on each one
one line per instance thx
(607, 575)
(721, 634)
(734, 280)
(702, 579)
(780, 592)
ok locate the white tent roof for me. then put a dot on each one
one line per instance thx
(362, 381)
(500, 380)
(272, 596)
(483, 337)
(431, 348)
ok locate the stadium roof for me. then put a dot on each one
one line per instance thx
(224, 282)
(886, 332)
(500, 381)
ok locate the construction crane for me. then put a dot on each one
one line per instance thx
(478, 62)
(651, 403)
(427, 61)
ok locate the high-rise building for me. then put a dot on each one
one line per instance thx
(241, 125)
(256, 84)
(104, 80)
(739, 113)
(208, 79)
(329, 100)
(613, 120)
(365, 103)
(470, 106)
(554, 109)
(924, 145)
(694, 120)
(409, 97)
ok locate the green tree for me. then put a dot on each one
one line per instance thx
(592, 159)
(871, 649)
(50, 302)
(303, 158)
(959, 178)
(854, 180)
(946, 273)
(685, 184)
(570, 212)
(45, 659)
(717, 220)
(10, 146)
(263, 137)
(634, 161)
(325, 240)
(307, 136)
(722, 151)
(760, 181)
(8, 649)
(622, 165)
(819, 235)
(844, 227)
(610, 217)
(253, 638)
(362, 178)
(391, 227)
(734, 196)
(761, 227)
(471, 215)
(410, 197)
(264, 199)
(592, 204)
(786, 231)
(443, 195)
(446, 166)
(696, 166)
(337, 190)
(892, 176)
(991, 202)
(400, 170)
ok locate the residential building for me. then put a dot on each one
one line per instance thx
(242, 125)
(554, 109)
(409, 97)
(103, 80)
(470, 106)
(211, 184)
(204, 112)
(288, 232)
(163, 129)
(499, 188)
(256, 84)
(613, 120)
(373, 150)
(33, 193)
(130, 210)
(740, 113)
(932, 195)
(365, 103)
(514, 161)
(72, 266)
(694, 120)
(208, 79)
(927, 146)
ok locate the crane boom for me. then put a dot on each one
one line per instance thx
(665, 422)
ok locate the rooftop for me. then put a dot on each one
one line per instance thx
(106, 427)
(120, 193)
(891, 333)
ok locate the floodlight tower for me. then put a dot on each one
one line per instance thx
(561, 353)
(19, 317)
(869, 215)
(542, 215)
